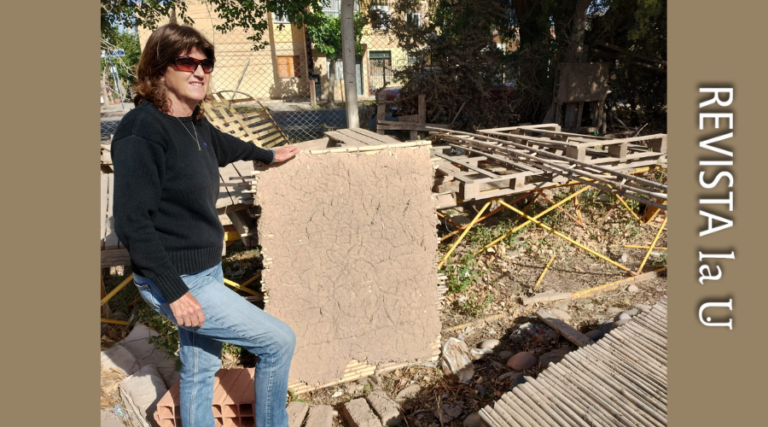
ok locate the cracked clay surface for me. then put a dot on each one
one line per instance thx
(352, 239)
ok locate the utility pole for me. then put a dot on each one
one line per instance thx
(348, 60)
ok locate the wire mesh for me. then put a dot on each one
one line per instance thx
(290, 79)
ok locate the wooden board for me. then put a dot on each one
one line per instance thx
(566, 330)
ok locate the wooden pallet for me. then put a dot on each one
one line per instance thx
(257, 127)
(484, 165)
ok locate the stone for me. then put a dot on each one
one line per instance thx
(407, 393)
(448, 412)
(522, 361)
(505, 355)
(387, 409)
(457, 360)
(473, 420)
(633, 288)
(642, 307)
(623, 258)
(612, 311)
(296, 413)
(631, 312)
(108, 419)
(492, 344)
(359, 414)
(146, 354)
(120, 359)
(562, 315)
(479, 353)
(337, 393)
(553, 356)
(320, 416)
(562, 306)
(595, 335)
(623, 316)
(141, 392)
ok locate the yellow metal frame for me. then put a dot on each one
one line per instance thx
(543, 273)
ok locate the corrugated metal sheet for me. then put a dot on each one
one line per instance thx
(619, 381)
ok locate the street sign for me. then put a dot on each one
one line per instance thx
(112, 53)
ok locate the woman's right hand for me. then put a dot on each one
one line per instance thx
(187, 311)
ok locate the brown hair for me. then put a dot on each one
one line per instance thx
(163, 46)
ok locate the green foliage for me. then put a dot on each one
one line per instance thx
(167, 339)
(247, 15)
(475, 306)
(129, 42)
(326, 34)
(460, 275)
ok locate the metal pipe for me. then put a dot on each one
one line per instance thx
(116, 290)
(559, 234)
(655, 239)
(477, 217)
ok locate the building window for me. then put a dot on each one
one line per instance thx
(280, 19)
(333, 7)
(413, 18)
(288, 66)
(379, 14)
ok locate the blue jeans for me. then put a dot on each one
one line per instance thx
(228, 318)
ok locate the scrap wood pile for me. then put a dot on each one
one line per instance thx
(499, 162)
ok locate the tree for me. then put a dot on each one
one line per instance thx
(248, 15)
(325, 34)
(457, 62)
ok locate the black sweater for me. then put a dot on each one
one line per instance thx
(165, 193)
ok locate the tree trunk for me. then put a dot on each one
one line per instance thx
(331, 82)
(348, 56)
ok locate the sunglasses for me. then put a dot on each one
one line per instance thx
(189, 65)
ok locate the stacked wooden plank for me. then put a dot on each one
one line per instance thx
(619, 381)
(256, 126)
(504, 161)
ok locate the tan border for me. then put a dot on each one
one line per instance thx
(50, 199)
(716, 375)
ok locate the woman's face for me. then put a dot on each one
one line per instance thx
(188, 88)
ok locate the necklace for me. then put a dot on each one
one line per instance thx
(190, 133)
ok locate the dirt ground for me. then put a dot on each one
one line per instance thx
(490, 284)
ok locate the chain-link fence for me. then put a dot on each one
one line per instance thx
(293, 81)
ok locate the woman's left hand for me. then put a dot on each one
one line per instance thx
(285, 153)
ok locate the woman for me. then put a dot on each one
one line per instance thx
(166, 158)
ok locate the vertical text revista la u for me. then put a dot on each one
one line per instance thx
(712, 171)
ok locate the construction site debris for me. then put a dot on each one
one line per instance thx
(141, 392)
(457, 360)
(108, 419)
(407, 393)
(320, 416)
(359, 414)
(566, 330)
(387, 409)
(296, 413)
(119, 358)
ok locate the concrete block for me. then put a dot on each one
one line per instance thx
(320, 416)
(108, 419)
(359, 414)
(119, 358)
(146, 354)
(296, 413)
(141, 392)
(387, 409)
